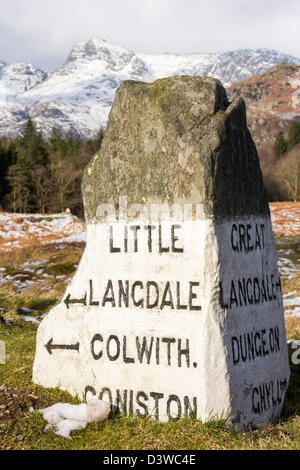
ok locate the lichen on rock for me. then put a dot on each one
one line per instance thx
(178, 138)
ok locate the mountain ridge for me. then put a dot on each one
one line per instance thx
(77, 95)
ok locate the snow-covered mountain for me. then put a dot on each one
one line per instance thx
(78, 95)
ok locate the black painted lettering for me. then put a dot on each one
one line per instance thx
(97, 338)
(179, 306)
(135, 229)
(123, 294)
(192, 296)
(271, 340)
(262, 396)
(92, 302)
(175, 239)
(168, 341)
(126, 239)
(273, 286)
(137, 303)
(221, 296)
(157, 351)
(126, 359)
(255, 401)
(268, 394)
(189, 410)
(278, 285)
(243, 347)
(263, 342)
(121, 402)
(184, 352)
(234, 243)
(115, 339)
(270, 298)
(258, 350)
(235, 350)
(112, 248)
(130, 404)
(106, 391)
(249, 246)
(274, 400)
(242, 234)
(242, 292)
(233, 297)
(277, 341)
(144, 349)
(167, 293)
(250, 345)
(109, 295)
(249, 297)
(89, 389)
(174, 399)
(161, 248)
(263, 291)
(150, 228)
(156, 288)
(256, 290)
(141, 404)
(257, 238)
(156, 397)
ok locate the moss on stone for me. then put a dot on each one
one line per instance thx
(177, 139)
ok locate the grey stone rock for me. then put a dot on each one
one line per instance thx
(187, 142)
(222, 353)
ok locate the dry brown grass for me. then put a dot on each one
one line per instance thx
(292, 325)
(285, 218)
(70, 252)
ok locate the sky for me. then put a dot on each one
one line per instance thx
(43, 32)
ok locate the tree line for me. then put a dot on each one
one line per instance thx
(282, 144)
(282, 176)
(44, 175)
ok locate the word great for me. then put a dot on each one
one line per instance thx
(247, 237)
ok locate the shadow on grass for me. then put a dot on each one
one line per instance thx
(292, 398)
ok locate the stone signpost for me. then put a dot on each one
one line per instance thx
(176, 306)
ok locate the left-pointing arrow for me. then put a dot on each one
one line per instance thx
(50, 346)
(69, 301)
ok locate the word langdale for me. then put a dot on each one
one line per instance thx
(149, 294)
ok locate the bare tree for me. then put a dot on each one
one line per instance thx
(287, 175)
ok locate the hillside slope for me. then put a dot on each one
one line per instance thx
(273, 100)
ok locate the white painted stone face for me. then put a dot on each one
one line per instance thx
(185, 319)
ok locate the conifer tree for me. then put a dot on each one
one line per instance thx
(294, 135)
(19, 182)
(32, 145)
(280, 145)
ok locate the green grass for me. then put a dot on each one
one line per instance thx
(12, 303)
(60, 269)
(130, 433)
